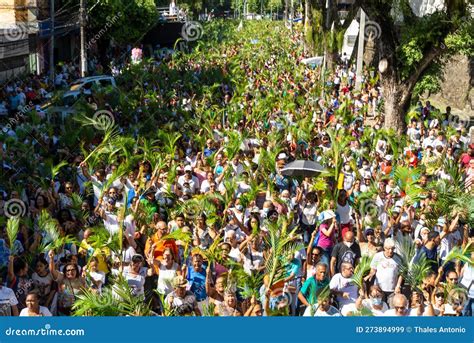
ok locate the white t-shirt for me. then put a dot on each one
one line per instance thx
(136, 282)
(341, 284)
(7, 300)
(193, 183)
(235, 254)
(128, 254)
(345, 213)
(111, 223)
(43, 312)
(332, 312)
(468, 279)
(165, 278)
(308, 216)
(368, 305)
(98, 277)
(387, 271)
(448, 242)
(393, 313)
(43, 283)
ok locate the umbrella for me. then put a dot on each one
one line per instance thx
(313, 61)
(302, 168)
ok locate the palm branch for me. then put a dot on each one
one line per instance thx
(13, 226)
(116, 300)
(281, 245)
(413, 272)
(361, 270)
(460, 254)
(213, 253)
(55, 169)
(52, 240)
(179, 235)
(249, 284)
(208, 310)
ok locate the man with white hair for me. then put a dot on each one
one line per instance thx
(385, 266)
(400, 307)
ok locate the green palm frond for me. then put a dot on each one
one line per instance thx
(116, 300)
(213, 253)
(281, 245)
(413, 272)
(52, 239)
(460, 254)
(208, 310)
(179, 235)
(13, 226)
(361, 270)
(55, 169)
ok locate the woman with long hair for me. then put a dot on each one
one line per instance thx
(70, 284)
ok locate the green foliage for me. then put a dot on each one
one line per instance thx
(361, 270)
(53, 239)
(116, 300)
(124, 21)
(413, 272)
(13, 226)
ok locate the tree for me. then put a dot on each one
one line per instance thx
(409, 46)
(324, 31)
(124, 21)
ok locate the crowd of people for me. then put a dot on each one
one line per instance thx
(183, 202)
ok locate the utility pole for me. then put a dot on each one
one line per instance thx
(292, 17)
(360, 50)
(82, 13)
(51, 42)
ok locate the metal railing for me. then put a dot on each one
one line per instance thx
(165, 15)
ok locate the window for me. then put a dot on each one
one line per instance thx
(105, 82)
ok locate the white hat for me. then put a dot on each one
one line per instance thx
(282, 156)
(188, 168)
(325, 215)
(388, 157)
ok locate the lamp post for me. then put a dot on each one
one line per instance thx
(360, 50)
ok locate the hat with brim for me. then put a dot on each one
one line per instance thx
(179, 282)
(326, 215)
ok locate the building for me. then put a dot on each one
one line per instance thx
(18, 30)
(25, 35)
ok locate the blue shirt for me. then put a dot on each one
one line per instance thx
(208, 152)
(197, 281)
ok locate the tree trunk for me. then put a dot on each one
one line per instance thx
(396, 102)
(331, 59)
(307, 26)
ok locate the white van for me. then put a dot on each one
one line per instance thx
(100, 81)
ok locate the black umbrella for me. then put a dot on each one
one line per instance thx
(302, 168)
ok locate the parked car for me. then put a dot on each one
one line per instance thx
(100, 81)
(85, 84)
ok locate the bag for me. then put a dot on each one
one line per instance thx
(316, 239)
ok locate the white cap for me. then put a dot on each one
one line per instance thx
(282, 156)
(388, 157)
(188, 168)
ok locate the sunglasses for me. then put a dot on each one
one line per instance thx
(70, 270)
(439, 295)
(399, 308)
(453, 279)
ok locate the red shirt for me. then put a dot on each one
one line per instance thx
(465, 158)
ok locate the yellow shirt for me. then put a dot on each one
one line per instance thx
(101, 255)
